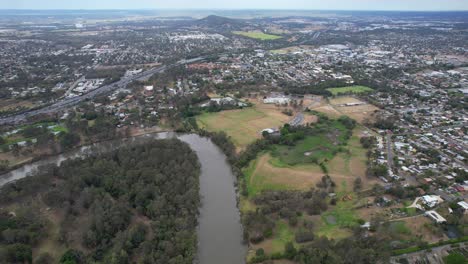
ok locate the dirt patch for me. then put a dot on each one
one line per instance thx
(328, 110)
(359, 112)
(310, 119)
(345, 100)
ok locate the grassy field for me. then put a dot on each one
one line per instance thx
(282, 234)
(268, 173)
(350, 89)
(313, 149)
(357, 112)
(244, 126)
(256, 35)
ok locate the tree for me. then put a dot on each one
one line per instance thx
(289, 250)
(69, 140)
(17, 253)
(4, 164)
(357, 184)
(455, 258)
(72, 256)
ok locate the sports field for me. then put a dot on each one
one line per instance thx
(256, 35)
(356, 89)
(244, 126)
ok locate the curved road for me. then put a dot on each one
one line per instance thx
(68, 102)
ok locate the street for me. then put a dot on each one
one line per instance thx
(69, 102)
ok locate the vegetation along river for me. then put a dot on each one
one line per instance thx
(219, 228)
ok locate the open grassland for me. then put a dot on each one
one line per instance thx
(256, 35)
(336, 222)
(357, 89)
(282, 234)
(267, 173)
(290, 171)
(359, 112)
(313, 149)
(327, 109)
(244, 126)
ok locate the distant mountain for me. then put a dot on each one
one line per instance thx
(219, 21)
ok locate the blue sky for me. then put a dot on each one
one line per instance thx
(239, 4)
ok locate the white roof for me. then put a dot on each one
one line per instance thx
(430, 198)
(435, 216)
(463, 204)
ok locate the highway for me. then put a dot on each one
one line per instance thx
(69, 102)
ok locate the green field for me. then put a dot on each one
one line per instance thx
(357, 89)
(313, 149)
(282, 235)
(256, 35)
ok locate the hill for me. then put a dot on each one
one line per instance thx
(214, 21)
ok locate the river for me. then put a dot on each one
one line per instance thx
(219, 229)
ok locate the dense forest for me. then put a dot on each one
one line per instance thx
(136, 204)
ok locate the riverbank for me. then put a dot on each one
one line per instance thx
(220, 229)
(133, 133)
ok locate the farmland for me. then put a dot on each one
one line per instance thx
(357, 89)
(257, 35)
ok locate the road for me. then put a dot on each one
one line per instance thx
(69, 102)
(388, 139)
(434, 256)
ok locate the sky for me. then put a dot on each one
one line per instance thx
(403, 5)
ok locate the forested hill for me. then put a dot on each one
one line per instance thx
(136, 204)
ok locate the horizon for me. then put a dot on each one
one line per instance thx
(232, 9)
(291, 5)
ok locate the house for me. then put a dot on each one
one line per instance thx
(283, 100)
(459, 188)
(271, 131)
(464, 206)
(366, 225)
(436, 217)
(268, 130)
(149, 90)
(224, 101)
(431, 200)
